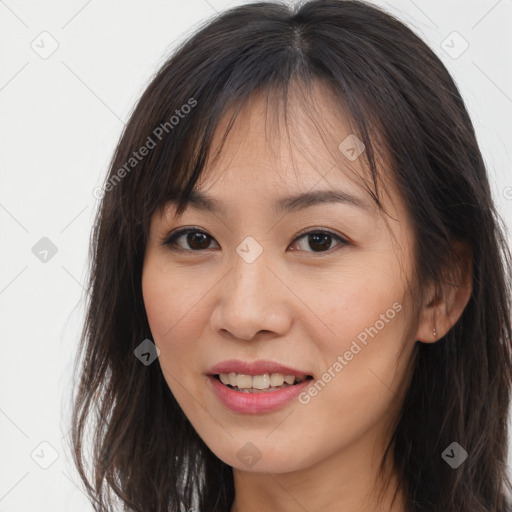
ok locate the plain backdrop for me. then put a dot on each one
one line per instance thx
(70, 74)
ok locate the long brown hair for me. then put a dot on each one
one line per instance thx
(145, 452)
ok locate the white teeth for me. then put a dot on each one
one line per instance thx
(243, 381)
(261, 381)
(276, 379)
(264, 381)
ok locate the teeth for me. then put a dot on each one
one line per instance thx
(264, 381)
(276, 379)
(225, 378)
(244, 381)
(260, 381)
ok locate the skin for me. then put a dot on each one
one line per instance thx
(295, 306)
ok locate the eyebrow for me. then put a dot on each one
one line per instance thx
(202, 201)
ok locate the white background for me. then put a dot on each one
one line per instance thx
(60, 121)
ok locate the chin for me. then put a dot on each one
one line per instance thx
(252, 457)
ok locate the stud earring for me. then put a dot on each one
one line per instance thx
(434, 331)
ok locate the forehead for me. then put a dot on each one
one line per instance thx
(270, 151)
(280, 159)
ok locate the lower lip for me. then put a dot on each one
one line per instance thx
(255, 403)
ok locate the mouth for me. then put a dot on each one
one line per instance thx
(266, 383)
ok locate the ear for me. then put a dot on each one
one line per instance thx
(444, 304)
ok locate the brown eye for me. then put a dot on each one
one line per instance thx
(195, 240)
(319, 241)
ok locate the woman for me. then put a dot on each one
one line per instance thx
(300, 288)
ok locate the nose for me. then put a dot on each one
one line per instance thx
(251, 299)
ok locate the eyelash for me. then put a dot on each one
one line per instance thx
(171, 239)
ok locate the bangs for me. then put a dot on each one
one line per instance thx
(193, 148)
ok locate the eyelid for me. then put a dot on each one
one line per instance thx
(315, 230)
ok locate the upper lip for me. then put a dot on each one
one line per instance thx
(254, 368)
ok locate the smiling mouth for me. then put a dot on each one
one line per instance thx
(266, 383)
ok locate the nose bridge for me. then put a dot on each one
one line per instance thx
(249, 300)
(249, 287)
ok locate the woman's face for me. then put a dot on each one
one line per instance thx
(255, 287)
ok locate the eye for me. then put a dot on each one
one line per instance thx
(197, 240)
(320, 240)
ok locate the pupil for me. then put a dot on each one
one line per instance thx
(322, 237)
(194, 238)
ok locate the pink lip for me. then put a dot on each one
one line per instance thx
(254, 368)
(255, 403)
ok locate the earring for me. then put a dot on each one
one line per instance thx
(434, 332)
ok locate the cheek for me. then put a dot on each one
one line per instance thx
(159, 302)
(166, 309)
(354, 304)
(367, 323)
(177, 312)
(170, 304)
